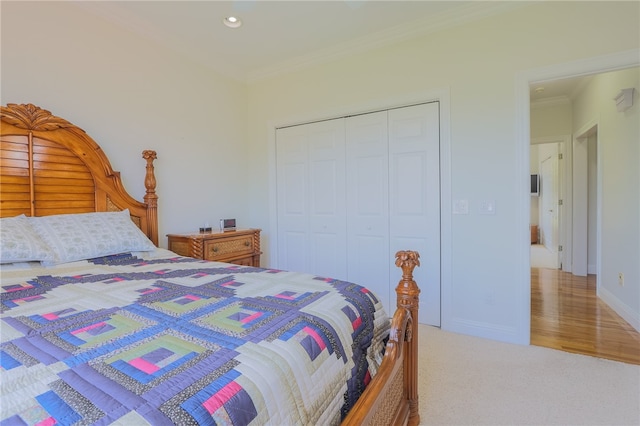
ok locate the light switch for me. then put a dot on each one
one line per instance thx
(487, 207)
(460, 207)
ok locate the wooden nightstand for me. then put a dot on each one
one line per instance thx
(241, 246)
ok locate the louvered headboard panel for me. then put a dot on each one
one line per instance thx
(61, 182)
(50, 166)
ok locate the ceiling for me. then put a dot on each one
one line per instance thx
(563, 89)
(279, 36)
(284, 35)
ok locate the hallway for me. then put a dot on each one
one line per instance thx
(567, 315)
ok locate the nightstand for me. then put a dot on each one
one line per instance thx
(241, 246)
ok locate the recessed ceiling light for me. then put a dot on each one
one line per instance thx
(232, 22)
(539, 89)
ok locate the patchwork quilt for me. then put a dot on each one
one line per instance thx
(160, 339)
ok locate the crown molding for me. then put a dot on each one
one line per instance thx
(468, 12)
(549, 102)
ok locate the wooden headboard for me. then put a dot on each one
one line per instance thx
(50, 166)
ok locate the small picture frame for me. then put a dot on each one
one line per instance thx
(227, 225)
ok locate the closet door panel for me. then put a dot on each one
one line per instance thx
(292, 203)
(368, 204)
(311, 198)
(327, 199)
(294, 258)
(407, 214)
(414, 187)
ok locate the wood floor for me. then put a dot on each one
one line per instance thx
(566, 314)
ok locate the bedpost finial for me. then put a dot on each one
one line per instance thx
(407, 290)
(150, 178)
(407, 260)
(149, 155)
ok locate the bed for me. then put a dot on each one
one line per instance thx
(101, 326)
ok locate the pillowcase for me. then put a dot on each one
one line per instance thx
(20, 243)
(82, 236)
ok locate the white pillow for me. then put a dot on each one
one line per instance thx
(87, 235)
(20, 243)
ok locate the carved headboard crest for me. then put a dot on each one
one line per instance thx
(31, 117)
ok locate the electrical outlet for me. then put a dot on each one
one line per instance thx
(621, 278)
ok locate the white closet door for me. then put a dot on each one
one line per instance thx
(352, 192)
(327, 199)
(292, 204)
(368, 205)
(414, 192)
(311, 198)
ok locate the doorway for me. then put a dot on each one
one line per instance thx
(551, 299)
(548, 214)
(524, 81)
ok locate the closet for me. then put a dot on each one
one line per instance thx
(354, 190)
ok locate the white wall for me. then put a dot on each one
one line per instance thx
(618, 178)
(130, 94)
(478, 65)
(549, 119)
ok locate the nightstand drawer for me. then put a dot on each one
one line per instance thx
(241, 247)
(217, 249)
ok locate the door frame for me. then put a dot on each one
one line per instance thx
(523, 79)
(582, 138)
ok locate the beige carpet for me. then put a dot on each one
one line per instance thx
(466, 380)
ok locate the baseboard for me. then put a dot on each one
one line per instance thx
(591, 269)
(633, 318)
(486, 330)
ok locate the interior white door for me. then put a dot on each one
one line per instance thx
(549, 202)
(414, 197)
(368, 205)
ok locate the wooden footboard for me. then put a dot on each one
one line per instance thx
(391, 398)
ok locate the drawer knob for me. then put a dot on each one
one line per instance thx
(215, 249)
(246, 243)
